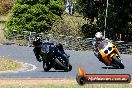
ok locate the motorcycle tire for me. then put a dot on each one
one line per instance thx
(69, 67)
(47, 68)
(66, 68)
(118, 62)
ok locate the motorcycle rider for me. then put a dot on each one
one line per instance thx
(97, 40)
(37, 42)
(37, 48)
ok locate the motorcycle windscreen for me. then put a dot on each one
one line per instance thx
(45, 48)
(48, 50)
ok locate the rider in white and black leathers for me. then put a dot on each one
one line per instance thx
(96, 41)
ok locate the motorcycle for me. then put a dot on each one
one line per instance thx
(54, 58)
(110, 54)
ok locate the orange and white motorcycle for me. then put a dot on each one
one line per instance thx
(110, 54)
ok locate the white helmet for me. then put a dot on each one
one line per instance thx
(99, 35)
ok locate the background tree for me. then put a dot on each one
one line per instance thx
(90, 10)
(34, 15)
(118, 20)
(5, 6)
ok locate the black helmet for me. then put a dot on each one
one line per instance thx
(37, 41)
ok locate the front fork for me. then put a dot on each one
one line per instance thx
(115, 53)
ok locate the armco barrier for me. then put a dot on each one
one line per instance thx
(69, 42)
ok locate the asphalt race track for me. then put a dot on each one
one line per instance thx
(33, 69)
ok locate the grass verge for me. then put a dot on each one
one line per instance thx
(54, 83)
(8, 64)
(70, 86)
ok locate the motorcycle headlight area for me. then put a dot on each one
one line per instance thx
(107, 51)
(109, 48)
(43, 50)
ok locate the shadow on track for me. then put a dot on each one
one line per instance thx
(53, 71)
(110, 68)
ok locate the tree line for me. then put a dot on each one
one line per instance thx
(39, 16)
(119, 19)
(34, 15)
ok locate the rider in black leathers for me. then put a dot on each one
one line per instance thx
(37, 42)
(37, 48)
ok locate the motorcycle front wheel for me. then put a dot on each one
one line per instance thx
(118, 62)
(65, 68)
(47, 67)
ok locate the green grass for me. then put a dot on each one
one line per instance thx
(8, 64)
(71, 86)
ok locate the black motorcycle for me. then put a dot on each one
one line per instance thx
(52, 57)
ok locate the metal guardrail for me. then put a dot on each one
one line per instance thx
(69, 42)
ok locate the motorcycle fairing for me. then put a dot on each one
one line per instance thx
(107, 51)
